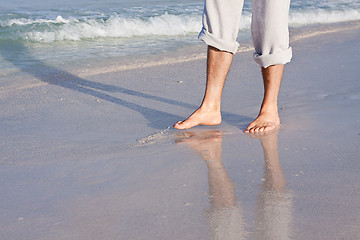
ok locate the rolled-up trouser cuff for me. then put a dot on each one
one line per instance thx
(279, 57)
(223, 45)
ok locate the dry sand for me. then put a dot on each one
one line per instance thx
(93, 158)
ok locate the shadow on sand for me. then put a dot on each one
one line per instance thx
(18, 54)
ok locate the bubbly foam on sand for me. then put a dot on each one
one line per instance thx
(154, 138)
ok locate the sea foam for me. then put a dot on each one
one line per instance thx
(60, 29)
(321, 16)
(166, 25)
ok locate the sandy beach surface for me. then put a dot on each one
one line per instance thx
(94, 156)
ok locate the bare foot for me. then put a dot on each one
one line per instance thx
(265, 135)
(263, 123)
(200, 117)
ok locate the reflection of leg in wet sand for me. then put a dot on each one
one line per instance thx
(274, 203)
(224, 216)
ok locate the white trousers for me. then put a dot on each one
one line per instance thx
(269, 28)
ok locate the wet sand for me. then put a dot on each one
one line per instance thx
(93, 157)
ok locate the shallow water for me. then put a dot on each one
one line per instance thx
(74, 33)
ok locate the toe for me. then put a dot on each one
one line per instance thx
(178, 124)
(266, 128)
(252, 130)
(262, 129)
(248, 129)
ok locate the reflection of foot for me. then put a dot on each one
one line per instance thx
(200, 117)
(273, 175)
(265, 135)
(198, 137)
(263, 123)
(208, 143)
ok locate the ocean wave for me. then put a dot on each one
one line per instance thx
(60, 29)
(25, 21)
(75, 29)
(321, 16)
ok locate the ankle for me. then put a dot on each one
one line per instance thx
(269, 109)
(210, 107)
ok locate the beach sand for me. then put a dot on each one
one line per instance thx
(94, 157)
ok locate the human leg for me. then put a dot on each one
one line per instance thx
(271, 41)
(220, 28)
(268, 117)
(218, 64)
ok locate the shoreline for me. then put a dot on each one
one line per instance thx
(198, 52)
(183, 55)
(16, 82)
